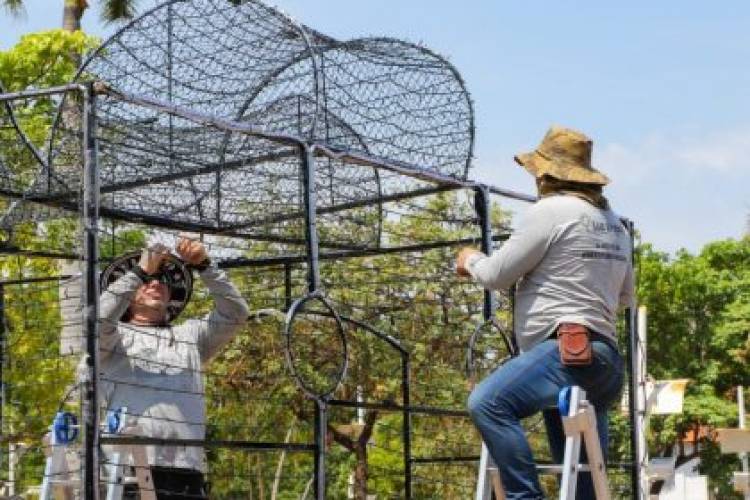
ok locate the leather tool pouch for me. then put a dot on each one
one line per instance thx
(574, 344)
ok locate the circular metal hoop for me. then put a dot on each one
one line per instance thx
(318, 378)
(489, 358)
(173, 272)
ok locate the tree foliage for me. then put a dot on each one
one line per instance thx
(698, 310)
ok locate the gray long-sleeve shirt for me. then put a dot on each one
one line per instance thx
(155, 371)
(572, 262)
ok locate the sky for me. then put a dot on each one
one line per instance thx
(661, 87)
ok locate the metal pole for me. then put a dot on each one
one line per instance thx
(91, 298)
(482, 206)
(321, 422)
(633, 359)
(287, 286)
(311, 233)
(406, 430)
(641, 416)
(632, 346)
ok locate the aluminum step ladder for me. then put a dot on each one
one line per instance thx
(579, 423)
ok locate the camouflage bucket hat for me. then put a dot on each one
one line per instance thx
(564, 154)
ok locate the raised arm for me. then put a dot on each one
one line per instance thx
(230, 309)
(113, 303)
(518, 256)
(228, 316)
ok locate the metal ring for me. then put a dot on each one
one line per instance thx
(470, 371)
(330, 312)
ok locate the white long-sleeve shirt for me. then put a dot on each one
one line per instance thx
(572, 262)
(155, 371)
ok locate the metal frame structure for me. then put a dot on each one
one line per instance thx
(322, 124)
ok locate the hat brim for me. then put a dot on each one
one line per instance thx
(537, 165)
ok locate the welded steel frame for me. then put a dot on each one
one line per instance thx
(91, 211)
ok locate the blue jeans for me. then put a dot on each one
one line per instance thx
(528, 384)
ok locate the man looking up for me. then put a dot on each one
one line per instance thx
(152, 368)
(571, 261)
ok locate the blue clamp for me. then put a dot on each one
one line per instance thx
(113, 420)
(65, 427)
(563, 400)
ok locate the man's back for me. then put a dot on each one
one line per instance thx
(583, 275)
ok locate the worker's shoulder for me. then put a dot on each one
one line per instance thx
(562, 207)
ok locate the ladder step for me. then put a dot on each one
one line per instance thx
(64, 482)
(558, 469)
(551, 468)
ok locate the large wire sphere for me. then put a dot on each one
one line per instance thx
(173, 272)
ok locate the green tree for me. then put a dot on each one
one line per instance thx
(412, 296)
(698, 309)
(73, 11)
(36, 376)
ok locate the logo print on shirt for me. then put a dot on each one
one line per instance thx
(600, 226)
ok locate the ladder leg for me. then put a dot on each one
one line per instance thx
(143, 473)
(488, 479)
(116, 474)
(55, 474)
(572, 451)
(580, 425)
(484, 491)
(596, 457)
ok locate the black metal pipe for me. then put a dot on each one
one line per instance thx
(406, 424)
(366, 202)
(311, 231)
(24, 281)
(203, 169)
(443, 460)
(421, 409)
(277, 261)
(27, 94)
(414, 171)
(287, 286)
(482, 206)
(631, 326)
(405, 395)
(176, 224)
(202, 443)
(321, 423)
(91, 298)
(388, 339)
(5, 250)
(2, 362)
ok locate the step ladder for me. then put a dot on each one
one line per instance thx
(61, 479)
(579, 423)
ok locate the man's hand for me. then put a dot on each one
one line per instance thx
(152, 257)
(462, 257)
(190, 249)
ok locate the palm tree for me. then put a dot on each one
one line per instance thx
(73, 10)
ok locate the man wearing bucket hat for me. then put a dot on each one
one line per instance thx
(152, 369)
(571, 260)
